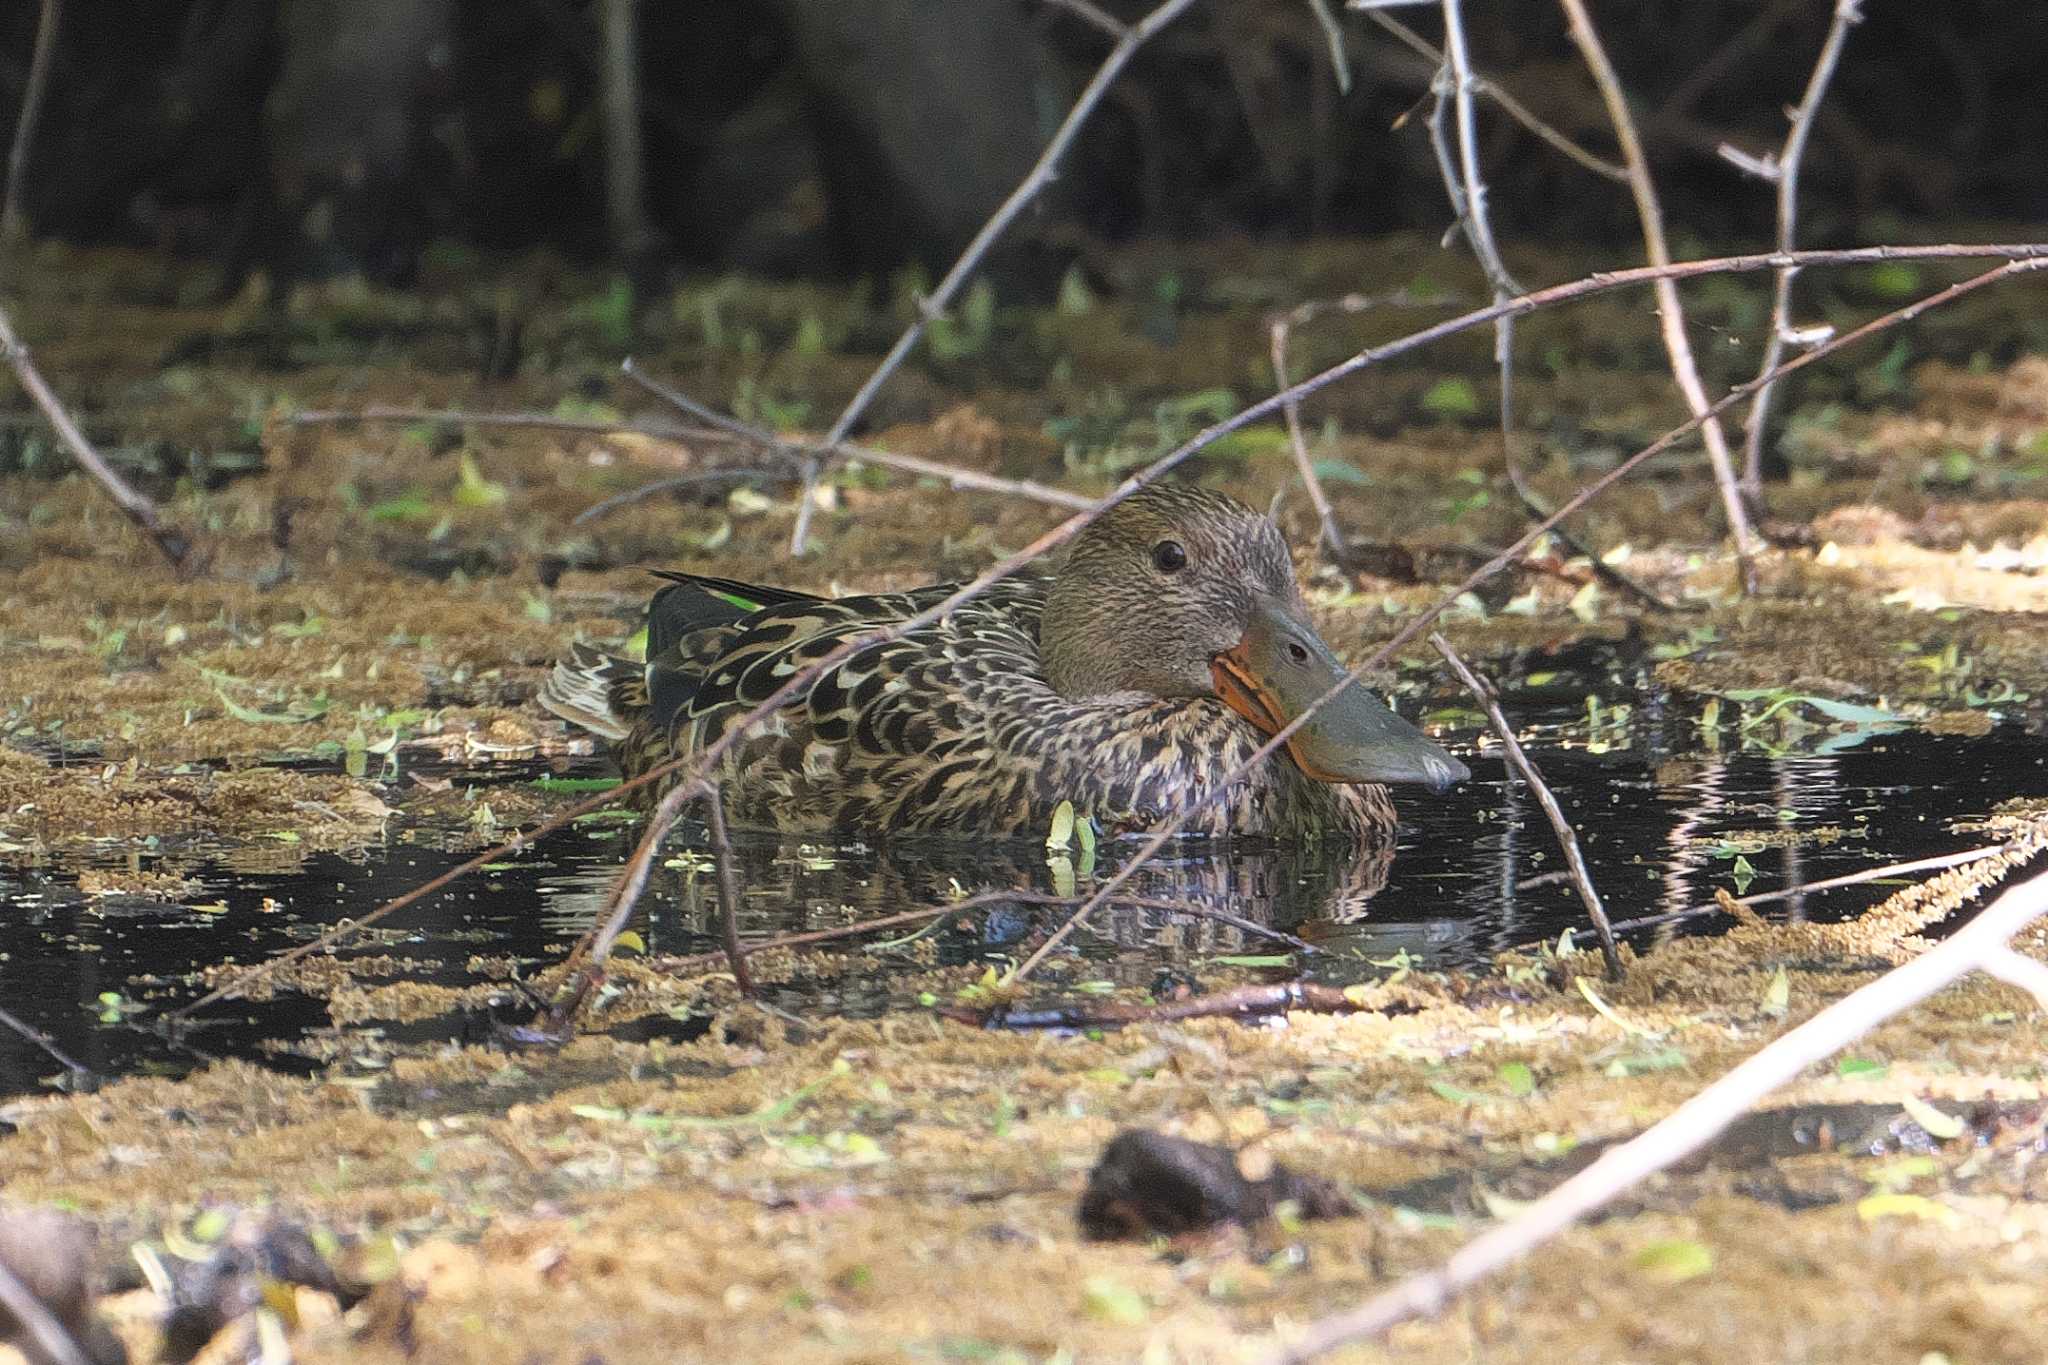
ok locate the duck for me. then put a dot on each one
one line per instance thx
(1129, 676)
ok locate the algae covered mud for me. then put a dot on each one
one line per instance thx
(195, 775)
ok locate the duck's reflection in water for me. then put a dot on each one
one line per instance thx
(1325, 894)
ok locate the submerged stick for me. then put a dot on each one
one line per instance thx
(1979, 945)
(138, 508)
(728, 890)
(1518, 758)
(1127, 44)
(811, 937)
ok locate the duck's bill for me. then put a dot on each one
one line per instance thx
(1277, 671)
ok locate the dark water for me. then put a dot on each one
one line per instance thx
(1661, 817)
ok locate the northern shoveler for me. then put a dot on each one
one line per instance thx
(1129, 678)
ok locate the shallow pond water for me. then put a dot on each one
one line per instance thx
(1663, 820)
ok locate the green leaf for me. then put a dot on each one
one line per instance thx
(1778, 995)
(1251, 960)
(1062, 833)
(1743, 874)
(1109, 1301)
(1893, 279)
(575, 784)
(1675, 1260)
(1849, 713)
(1451, 398)
(1341, 471)
(1872, 1207)
(1643, 1063)
(1519, 1080)
(473, 489)
(411, 505)
(1456, 1095)
(314, 710)
(1850, 1067)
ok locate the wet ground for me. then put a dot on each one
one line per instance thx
(195, 775)
(1664, 824)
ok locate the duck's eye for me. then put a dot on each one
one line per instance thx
(1169, 557)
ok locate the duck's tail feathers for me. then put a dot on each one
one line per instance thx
(600, 692)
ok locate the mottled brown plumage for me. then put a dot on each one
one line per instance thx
(1122, 681)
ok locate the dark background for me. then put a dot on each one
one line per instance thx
(819, 137)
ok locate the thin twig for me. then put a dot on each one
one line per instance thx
(1093, 14)
(670, 485)
(1785, 170)
(2017, 969)
(1041, 175)
(1310, 997)
(1500, 561)
(1511, 106)
(606, 928)
(1574, 860)
(48, 1045)
(13, 221)
(1333, 34)
(543, 421)
(2019, 258)
(625, 163)
(1868, 875)
(1688, 1128)
(955, 476)
(719, 427)
(581, 967)
(1325, 517)
(139, 509)
(1669, 311)
(52, 1337)
(728, 891)
(1467, 191)
(810, 937)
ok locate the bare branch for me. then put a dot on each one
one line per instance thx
(53, 1340)
(1041, 175)
(1094, 14)
(1333, 34)
(1574, 860)
(1510, 106)
(1669, 310)
(728, 891)
(1689, 1127)
(1013, 896)
(1848, 13)
(1869, 874)
(13, 222)
(139, 509)
(2017, 969)
(955, 475)
(1306, 467)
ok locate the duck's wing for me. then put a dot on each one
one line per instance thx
(900, 732)
(691, 623)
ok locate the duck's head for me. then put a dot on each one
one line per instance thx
(1179, 591)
